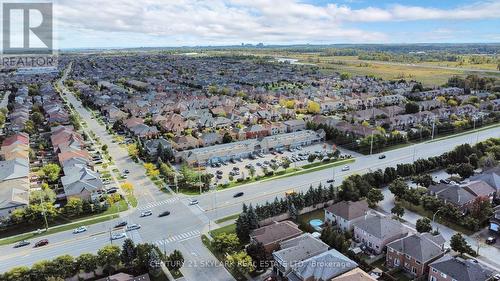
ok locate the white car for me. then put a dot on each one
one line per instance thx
(146, 213)
(133, 227)
(80, 229)
(346, 168)
(193, 202)
(117, 236)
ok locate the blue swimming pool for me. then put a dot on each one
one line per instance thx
(316, 224)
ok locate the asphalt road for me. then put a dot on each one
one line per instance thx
(221, 204)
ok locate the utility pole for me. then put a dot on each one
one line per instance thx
(371, 144)
(44, 213)
(433, 124)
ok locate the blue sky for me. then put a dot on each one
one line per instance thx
(131, 23)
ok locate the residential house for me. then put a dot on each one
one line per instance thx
(344, 213)
(296, 250)
(14, 185)
(256, 131)
(480, 188)
(494, 223)
(453, 193)
(354, 275)
(185, 142)
(324, 266)
(449, 268)
(375, 232)
(83, 183)
(414, 253)
(295, 125)
(271, 235)
(211, 138)
(151, 146)
(490, 176)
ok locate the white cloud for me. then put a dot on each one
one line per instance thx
(235, 21)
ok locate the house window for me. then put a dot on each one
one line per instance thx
(396, 262)
(433, 278)
(443, 275)
(407, 256)
(414, 270)
(434, 270)
(407, 265)
(418, 262)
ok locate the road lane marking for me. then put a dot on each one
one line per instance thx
(159, 203)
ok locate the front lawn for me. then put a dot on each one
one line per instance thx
(230, 228)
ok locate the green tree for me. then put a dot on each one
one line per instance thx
(175, 260)
(481, 208)
(109, 257)
(73, 207)
(242, 227)
(42, 195)
(240, 262)
(424, 225)
(20, 273)
(458, 244)
(128, 253)
(227, 138)
(398, 188)
(87, 262)
(412, 107)
(41, 270)
(226, 243)
(65, 266)
(398, 210)
(51, 172)
(374, 196)
(258, 254)
(148, 257)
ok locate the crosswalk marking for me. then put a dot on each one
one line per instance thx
(178, 237)
(156, 204)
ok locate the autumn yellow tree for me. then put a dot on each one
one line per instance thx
(127, 187)
(313, 107)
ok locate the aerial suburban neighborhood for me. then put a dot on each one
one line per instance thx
(298, 159)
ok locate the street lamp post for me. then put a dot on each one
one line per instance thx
(434, 219)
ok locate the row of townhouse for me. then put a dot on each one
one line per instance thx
(79, 180)
(14, 174)
(419, 254)
(242, 149)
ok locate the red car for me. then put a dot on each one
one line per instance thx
(41, 243)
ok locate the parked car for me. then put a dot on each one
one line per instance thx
(111, 190)
(126, 171)
(133, 226)
(163, 214)
(117, 236)
(146, 213)
(41, 243)
(219, 177)
(193, 202)
(21, 244)
(121, 224)
(346, 168)
(80, 229)
(381, 156)
(330, 180)
(219, 172)
(491, 240)
(238, 194)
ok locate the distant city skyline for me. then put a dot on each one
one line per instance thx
(160, 23)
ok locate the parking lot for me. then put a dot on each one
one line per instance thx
(240, 168)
